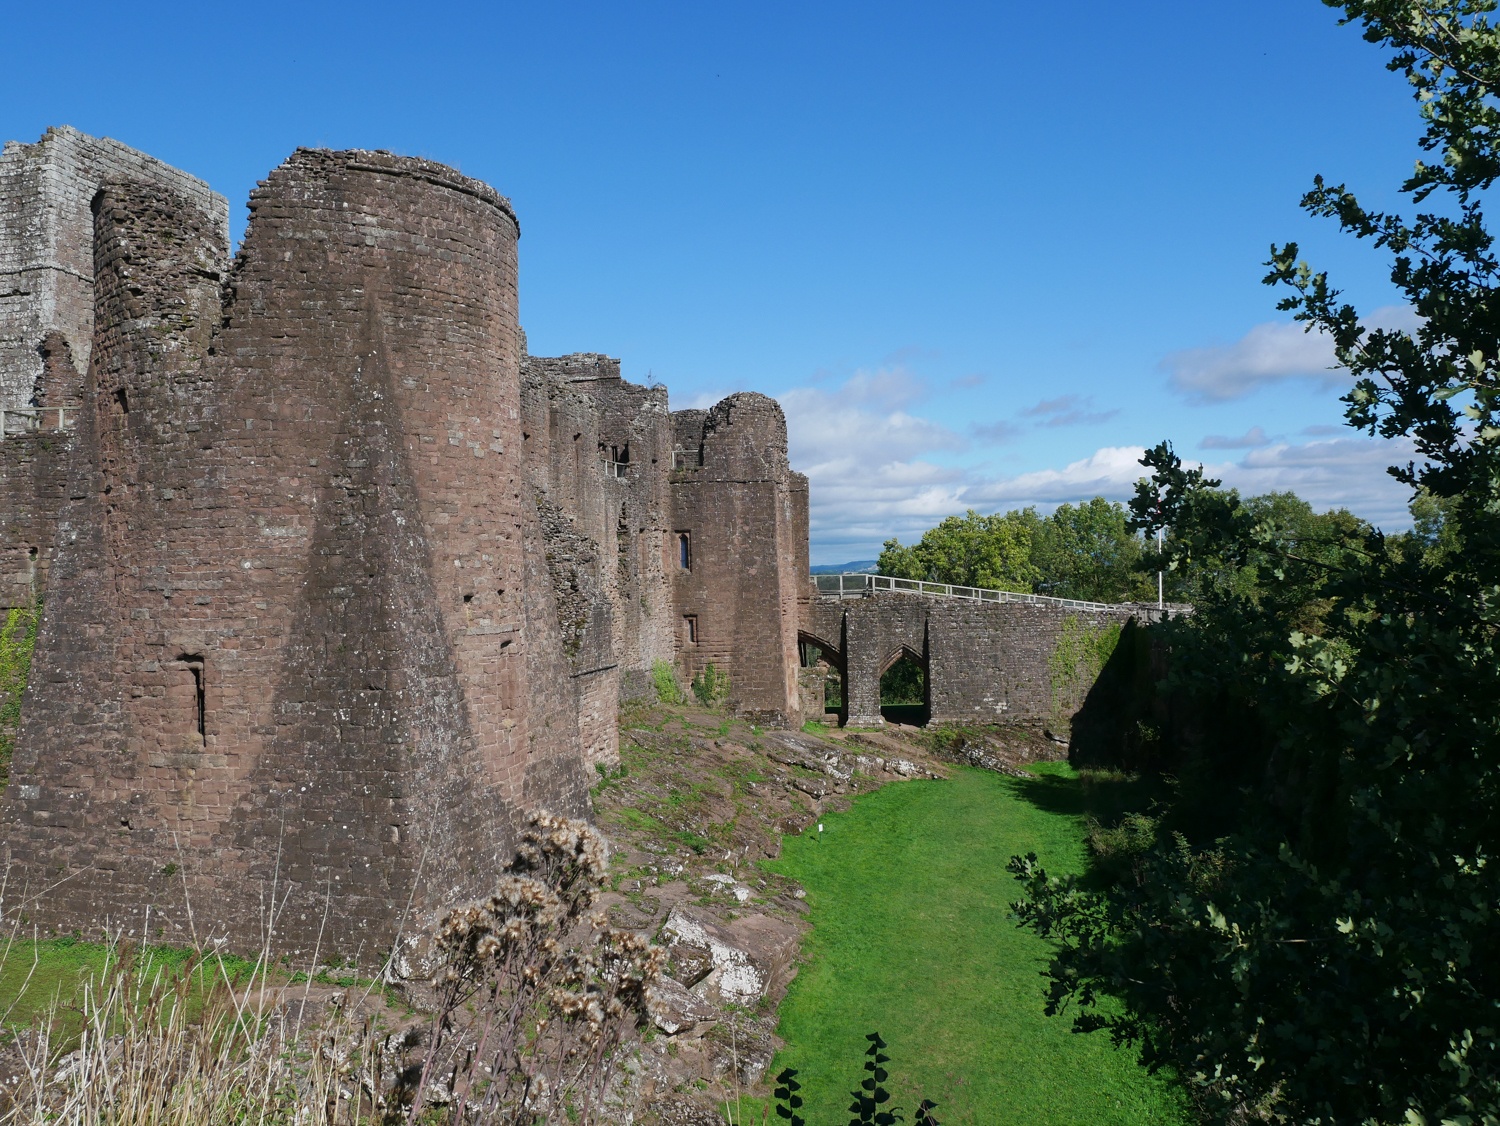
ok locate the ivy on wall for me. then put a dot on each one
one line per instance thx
(17, 639)
(1077, 659)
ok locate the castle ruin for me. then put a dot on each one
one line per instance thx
(336, 579)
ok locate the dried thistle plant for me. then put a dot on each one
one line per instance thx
(535, 993)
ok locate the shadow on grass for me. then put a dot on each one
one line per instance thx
(912, 715)
(1104, 795)
(1051, 793)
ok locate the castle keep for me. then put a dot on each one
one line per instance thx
(336, 579)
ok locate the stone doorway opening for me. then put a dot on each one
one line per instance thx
(904, 697)
(821, 679)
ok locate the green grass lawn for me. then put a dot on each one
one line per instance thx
(35, 975)
(912, 935)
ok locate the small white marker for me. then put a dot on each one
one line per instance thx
(820, 826)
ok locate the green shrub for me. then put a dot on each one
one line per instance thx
(664, 677)
(711, 687)
(1118, 848)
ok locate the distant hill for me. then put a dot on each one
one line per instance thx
(859, 566)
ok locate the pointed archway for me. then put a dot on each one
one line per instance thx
(816, 653)
(904, 694)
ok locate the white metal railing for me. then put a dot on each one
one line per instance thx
(27, 420)
(849, 585)
(616, 468)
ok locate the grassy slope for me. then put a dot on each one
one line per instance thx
(912, 935)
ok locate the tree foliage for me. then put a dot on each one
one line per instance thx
(1310, 936)
(968, 550)
(1088, 551)
(1083, 551)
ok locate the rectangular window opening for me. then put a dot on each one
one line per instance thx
(691, 622)
(194, 665)
(684, 551)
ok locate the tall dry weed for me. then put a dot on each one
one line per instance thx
(532, 997)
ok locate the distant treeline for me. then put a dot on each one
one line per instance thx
(1090, 551)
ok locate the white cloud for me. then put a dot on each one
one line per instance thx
(1268, 353)
(1110, 472)
(1251, 439)
(1338, 473)
(856, 505)
(701, 401)
(870, 459)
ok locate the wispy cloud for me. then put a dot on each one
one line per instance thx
(1338, 473)
(1067, 410)
(701, 401)
(995, 433)
(1268, 353)
(1252, 439)
(864, 426)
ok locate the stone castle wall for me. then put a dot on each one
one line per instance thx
(337, 581)
(739, 552)
(305, 634)
(600, 448)
(46, 244)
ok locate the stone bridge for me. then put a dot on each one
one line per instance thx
(987, 656)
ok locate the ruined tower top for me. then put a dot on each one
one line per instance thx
(47, 243)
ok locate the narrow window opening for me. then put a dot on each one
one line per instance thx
(123, 398)
(685, 551)
(690, 621)
(194, 663)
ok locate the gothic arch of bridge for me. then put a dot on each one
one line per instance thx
(898, 653)
(827, 650)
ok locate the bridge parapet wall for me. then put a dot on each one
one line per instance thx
(1030, 663)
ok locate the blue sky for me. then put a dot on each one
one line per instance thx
(982, 253)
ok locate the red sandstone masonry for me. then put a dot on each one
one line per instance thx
(311, 506)
(338, 580)
(743, 510)
(985, 662)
